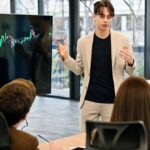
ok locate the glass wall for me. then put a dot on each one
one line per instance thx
(26, 6)
(5, 6)
(59, 9)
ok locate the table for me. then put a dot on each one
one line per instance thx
(65, 143)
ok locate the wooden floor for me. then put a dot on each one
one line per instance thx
(53, 118)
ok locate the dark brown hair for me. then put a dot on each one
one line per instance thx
(99, 6)
(132, 102)
(16, 98)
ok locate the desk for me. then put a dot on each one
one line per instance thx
(67, 142)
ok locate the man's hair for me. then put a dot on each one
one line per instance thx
(132, 102)
(99, 6)
(16, 98)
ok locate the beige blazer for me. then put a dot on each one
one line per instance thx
(82, 63)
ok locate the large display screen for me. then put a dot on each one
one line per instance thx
(26, 49)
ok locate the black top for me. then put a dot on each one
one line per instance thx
(101, 85)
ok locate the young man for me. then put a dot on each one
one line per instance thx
(102, 56)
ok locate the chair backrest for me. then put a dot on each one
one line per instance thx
(116, 136)
(4, 134)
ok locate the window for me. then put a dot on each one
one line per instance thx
(130, 23)
(60, 74)
(139, 22)
(116, 22)
(4, 6)
(26, 7)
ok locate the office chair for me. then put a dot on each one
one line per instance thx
(4, 135)
(116, 136)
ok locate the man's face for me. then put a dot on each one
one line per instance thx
(103, 20)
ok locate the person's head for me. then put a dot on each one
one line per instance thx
(16, 98)
(103, 13)
(132, 102)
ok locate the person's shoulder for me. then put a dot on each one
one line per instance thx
(25, 138)
(119, 34)
(21, 134)
(86, 37)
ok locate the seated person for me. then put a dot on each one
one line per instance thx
(16, 98)
(132, 102)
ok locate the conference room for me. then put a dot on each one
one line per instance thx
(30, 31)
